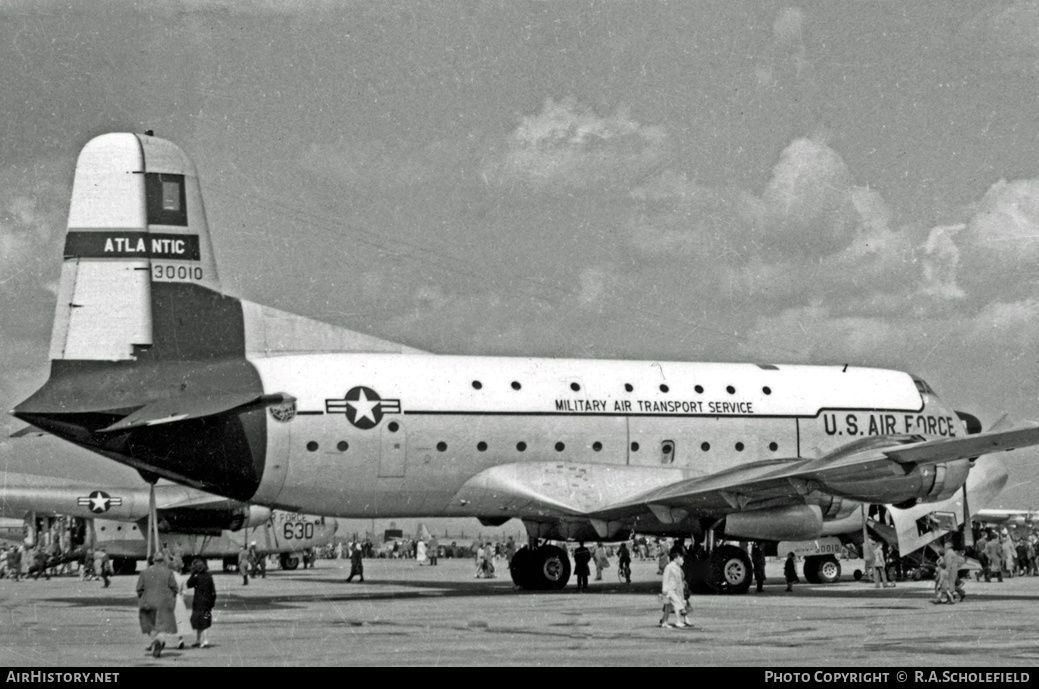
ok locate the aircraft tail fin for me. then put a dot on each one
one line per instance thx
(137, 244)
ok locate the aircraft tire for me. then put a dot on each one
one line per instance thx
(731, 571)
(828, 569)
(288, 561)
(811, 569)
(552, 568)
(545, 569)
(519, 568)
(124, 565)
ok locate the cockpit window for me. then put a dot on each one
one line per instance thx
(922, 387)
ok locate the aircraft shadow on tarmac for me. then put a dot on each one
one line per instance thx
(339, 589)
(233, 597)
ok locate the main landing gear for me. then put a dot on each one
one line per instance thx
(822, 569)
(540, 568)
(726, 570)
(730, 570)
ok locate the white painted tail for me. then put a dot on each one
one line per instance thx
(136, 219)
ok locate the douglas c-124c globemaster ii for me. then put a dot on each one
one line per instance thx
(152, 366)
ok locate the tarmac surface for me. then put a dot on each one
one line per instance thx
(404, 614)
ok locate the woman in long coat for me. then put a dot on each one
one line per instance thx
(203, 603)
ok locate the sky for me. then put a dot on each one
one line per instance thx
(822, 182)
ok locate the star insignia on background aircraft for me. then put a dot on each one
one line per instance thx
(363, 407)
(99, 502)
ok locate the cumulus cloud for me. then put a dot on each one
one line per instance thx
(809, 193)
(811, 334)
(1014, 325)
(568, 146)
(941, 260)
(681, 220)
(374, 163)
(1006, 36)
(999, 248)
(787, 46)
(811, 234)
(33, 206)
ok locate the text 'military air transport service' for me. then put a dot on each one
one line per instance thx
(152, 366)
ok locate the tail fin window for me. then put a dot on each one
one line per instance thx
(166, 200)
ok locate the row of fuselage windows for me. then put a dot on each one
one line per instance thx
(667, 449)
(628, 387)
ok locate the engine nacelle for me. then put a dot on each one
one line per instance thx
(212, 522)
(792, 523)
(892, 485)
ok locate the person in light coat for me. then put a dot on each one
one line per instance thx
(673, 591)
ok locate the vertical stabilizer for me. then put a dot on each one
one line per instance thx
(136, 220)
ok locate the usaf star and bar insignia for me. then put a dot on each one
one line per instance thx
(363, 407)
(99, 502)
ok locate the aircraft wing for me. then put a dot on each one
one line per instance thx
(947, 449)
(1016, 517)
(193, 407)
(752, 484)
(608, 493)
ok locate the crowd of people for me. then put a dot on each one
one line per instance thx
(161, 587)
(1001, 554)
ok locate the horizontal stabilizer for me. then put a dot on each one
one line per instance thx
(194, 407)
(27, 431)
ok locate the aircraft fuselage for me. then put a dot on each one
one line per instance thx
(389, 434)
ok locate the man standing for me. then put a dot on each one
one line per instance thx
(994, 556)
(156, 595)
(953, 562)
(980, 551)
(356, 563)
(510, 551)
(102, 565)
(757, 561)
(582, 556)
(259, 561)
(244, 564)
(14, 563)
(434, 551)
(879, 565)
(790, 572)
